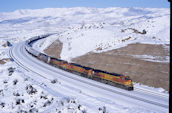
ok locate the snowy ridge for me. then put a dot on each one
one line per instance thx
(40, 21)
(117, 29)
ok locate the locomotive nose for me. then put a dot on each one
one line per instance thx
(128, 81)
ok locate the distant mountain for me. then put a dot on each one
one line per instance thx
(82, 30)
(34, 22)
(98, 30)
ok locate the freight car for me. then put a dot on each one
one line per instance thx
(32, 51)
(38, 55)
(44, 57)
(113, 79)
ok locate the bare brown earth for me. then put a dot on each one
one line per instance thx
(3, 61)
(121, 60)
(54, 49)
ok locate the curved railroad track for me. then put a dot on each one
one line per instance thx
(133, 95)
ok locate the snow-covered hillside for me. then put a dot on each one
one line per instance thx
(100, 30)
(22, 24)
(81, 30)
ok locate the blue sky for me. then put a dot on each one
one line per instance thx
(11, 5)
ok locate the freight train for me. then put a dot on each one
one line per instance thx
(114, 79)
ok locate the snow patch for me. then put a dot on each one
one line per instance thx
(153, 58)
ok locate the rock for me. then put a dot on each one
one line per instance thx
(7, 44)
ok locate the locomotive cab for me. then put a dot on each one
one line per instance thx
(128, 82)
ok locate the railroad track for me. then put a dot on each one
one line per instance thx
(22, 50)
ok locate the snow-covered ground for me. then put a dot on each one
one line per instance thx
(111, 29)
(20, 93)
(81, 30)
(91, 95)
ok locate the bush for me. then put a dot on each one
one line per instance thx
(30, 89)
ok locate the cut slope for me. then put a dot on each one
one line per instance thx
(55, 49)
(153, 73)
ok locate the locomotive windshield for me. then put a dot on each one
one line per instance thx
(127, 78)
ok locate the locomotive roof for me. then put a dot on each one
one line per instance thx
(115, 74)
(87, 68)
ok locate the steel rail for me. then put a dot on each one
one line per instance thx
(22, 49)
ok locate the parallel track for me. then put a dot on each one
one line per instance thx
(22, 50)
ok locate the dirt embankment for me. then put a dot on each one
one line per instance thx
(121, 60)
(54, 49)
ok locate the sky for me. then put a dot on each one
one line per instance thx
(11, 5)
